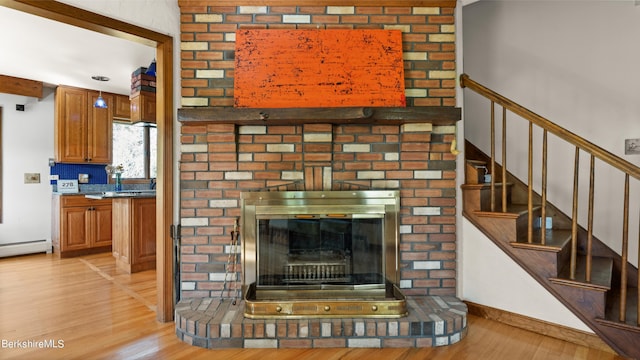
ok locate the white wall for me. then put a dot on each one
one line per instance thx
(575, 63)
(27, 145)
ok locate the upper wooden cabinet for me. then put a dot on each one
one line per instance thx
(122, 108)
(83, 133)
(143, 107)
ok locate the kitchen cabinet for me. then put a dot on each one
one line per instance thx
(81, 226)
(134, 233)
(143, 107)
(82, 132)
(122, 108)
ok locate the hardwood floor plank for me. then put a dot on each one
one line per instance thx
(102, 313)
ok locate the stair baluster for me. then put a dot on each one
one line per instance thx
(574, 216)
(504, 159)
(493, 156)
(625, 252)
(543, 210)
(530, 187)
(589, 259)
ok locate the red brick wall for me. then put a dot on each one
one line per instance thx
(208, 35)
(219, 161)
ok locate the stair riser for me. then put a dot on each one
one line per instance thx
(544, 263)
(522, 224)
(485, 198)
(590, 303)
(503, 230)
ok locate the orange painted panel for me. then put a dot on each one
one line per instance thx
(318, 68)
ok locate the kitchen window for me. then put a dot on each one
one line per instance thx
(135, 147)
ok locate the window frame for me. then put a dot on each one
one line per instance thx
(146, 138)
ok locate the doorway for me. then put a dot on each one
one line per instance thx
(165, 114)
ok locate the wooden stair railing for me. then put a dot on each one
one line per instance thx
(581, 145)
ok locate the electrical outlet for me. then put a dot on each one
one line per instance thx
(31, 178)
(632, 147)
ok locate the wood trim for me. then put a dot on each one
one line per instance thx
(1, 167)
(402, 3)
(71, 15)
(20, 86)
(164, 189)
(542, 327)
(164, 64)
(439, 115)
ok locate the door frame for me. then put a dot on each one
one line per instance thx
(164, 116)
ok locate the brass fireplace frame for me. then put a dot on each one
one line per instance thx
(369, 300)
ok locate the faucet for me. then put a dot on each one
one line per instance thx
(152, 184)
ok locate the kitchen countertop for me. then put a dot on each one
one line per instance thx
(122, 194)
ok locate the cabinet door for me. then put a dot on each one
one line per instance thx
(121, 230)
(71, 125)
(144, 239)
(143, 107)
(74, 229)
(122, 108)
(99, 130)
(102, 225)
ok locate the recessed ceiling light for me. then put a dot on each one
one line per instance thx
(100, 78)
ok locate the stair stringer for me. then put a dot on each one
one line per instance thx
(543, 273)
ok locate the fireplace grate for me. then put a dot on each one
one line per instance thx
(304, 273)
(307, 268)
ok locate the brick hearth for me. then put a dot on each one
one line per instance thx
(218, 324)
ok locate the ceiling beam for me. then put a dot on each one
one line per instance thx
(20, 86)
(71, 15)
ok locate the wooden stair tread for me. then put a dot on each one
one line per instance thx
(514, 211)
(555, 240)
(601, 274)
(620, 325)
(482, 186)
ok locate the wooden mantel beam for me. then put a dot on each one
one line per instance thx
(20, 86)
(403, 3)
(438, 115)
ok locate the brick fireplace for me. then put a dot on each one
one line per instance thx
(221, 159)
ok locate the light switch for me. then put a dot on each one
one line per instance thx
(632, 146)
(31, 178)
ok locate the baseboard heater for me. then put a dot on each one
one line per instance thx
(24, 248)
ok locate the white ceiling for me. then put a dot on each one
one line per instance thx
(40, 49)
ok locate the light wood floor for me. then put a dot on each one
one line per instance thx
(100, 313)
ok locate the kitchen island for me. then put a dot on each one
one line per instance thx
(134, 231)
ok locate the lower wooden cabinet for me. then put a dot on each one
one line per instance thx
(134, 233)
(80, 226)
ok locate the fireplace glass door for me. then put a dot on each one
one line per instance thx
(319, 251)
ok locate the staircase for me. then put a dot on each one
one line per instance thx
(596, 283)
